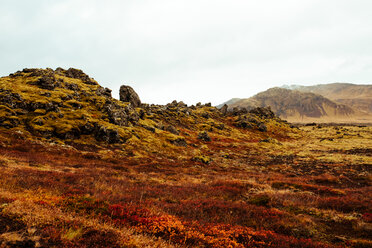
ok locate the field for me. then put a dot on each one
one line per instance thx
(311, 188)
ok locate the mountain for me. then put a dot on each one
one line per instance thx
(356, 96)
(303, 106)
(229, 102)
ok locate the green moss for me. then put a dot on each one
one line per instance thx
(6, 111)
(259, 200)
(40, 111)
(202, 159)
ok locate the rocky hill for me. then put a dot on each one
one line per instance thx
(302, 106)
(355, 96)
(69, 106)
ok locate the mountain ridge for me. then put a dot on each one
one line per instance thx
(295, 103)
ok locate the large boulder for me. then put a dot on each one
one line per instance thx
(127, 94)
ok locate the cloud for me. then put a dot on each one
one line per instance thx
(192, 50)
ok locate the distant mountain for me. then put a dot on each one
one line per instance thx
(356, 96)
(303, 106)
(229, 102)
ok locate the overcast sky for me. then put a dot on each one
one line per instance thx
(192, 50)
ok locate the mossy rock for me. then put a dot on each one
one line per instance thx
(202, 159)
(175, 139)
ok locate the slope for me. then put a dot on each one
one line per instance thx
(356, 96)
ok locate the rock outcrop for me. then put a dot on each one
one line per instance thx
(70, 106)
(127, 94)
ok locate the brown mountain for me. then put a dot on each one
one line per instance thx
(356, 96)
(298, 106)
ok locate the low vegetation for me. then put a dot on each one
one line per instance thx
(174, 175)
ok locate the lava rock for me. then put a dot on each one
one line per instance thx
(172, 129)
(179, 142)
(103, 92)
(204, 136)
(116, 114)
(107, 135)
(262, 127)
(205, 115)
(79, 74)
(12, 100)
(47, 82)
(264, 112)
(127, 94)
(87, 128)
(72, 86)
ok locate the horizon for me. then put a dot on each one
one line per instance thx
(192, 51)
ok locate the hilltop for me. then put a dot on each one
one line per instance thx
(82, 169)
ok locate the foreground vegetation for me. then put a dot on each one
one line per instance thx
(179, 176)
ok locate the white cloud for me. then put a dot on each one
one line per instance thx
(195, 50)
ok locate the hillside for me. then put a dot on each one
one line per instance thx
(82, 169)
(355, 96)
(297, 106)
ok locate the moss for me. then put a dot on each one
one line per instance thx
(6, 111)
(147, 123)
(202, 159)
(40, 111)
(72, 233)
(259, 200)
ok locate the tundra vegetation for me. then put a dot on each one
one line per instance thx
(82, 169)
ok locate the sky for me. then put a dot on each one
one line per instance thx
(191, 50)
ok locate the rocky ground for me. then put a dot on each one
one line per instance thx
(82, 169)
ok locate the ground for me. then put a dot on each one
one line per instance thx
(82, 169)
(308, 189)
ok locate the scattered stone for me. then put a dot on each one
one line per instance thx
(202, 159)
(71, 86)
(264, 112)
(172, 129)
(134, 117)
(205, 115)
(179, 142)
(151, 129)
(219, 126)
(79, 74)
(47, 82)
(204, 136)
(107, 135)
(12, 100)
(181, 104)
(116, 114)
(142, 114)
(262, 127)
(103, 92)
(127, 94)
(87, 128)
